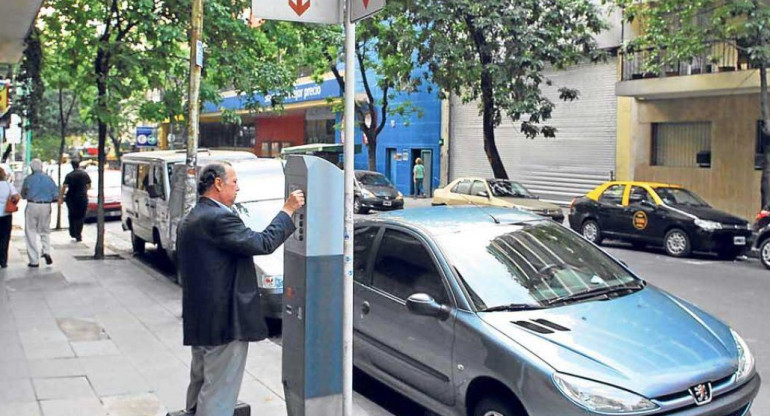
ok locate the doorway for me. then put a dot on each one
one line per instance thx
(427, 160)
(390, 164)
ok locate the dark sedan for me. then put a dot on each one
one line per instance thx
(373, 191)
(660, 214)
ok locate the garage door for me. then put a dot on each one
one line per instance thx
(581, 156)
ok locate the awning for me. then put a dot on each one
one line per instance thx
(314, 148)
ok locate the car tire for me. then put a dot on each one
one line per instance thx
(494, 406)
(357, 207)
(764, 253)
(591, 231)
(677, 243)
(137, 244)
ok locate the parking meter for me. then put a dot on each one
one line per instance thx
(312, 294)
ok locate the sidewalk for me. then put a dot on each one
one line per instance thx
(84, 337)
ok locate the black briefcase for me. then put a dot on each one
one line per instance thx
(241, 409)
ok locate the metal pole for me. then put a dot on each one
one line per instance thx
(196, 65)
(347, 315)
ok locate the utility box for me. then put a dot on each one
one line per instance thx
(313, 286)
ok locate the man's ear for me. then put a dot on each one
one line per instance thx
(218, 184)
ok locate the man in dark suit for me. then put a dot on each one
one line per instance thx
(220, 298)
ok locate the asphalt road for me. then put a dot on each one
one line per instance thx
(736, 292)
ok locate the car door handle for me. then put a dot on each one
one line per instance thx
(365, 308)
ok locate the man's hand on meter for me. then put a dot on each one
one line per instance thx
(295, 201)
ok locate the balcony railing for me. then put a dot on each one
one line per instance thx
(721, 57)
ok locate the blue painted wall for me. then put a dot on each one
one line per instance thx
(406, 135)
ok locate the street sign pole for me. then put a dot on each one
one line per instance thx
(349, 149)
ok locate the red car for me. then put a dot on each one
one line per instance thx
(111, 194)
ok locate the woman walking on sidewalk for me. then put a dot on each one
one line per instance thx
(7, 191)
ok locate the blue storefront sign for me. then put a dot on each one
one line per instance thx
(302, 93)
(146, 136)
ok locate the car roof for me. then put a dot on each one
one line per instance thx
(643, 183)
(181, 155)
(449, 219)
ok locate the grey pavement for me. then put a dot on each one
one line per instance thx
(89, 337)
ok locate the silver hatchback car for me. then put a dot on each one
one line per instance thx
(498, 312)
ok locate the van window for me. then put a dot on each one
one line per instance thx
(144, 177)
(157, 179)
(129, 175)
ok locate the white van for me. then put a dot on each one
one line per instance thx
(261, 196)
(146, 192)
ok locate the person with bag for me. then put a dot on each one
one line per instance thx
(10, 198)
(40, 191)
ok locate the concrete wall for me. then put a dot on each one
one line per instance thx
(732, 183)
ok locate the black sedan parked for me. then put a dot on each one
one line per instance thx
(652, 213)
(374, 191)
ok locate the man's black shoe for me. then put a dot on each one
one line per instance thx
(78, 239)
(48, 259)
(33, 265)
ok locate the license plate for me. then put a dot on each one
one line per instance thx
(739, 241)
(387, 203)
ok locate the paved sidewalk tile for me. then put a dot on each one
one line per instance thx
(19, 409)
(55, 367)
(16, 391)
(63, 388)
(73, 407)
(94, 348)
(146, 404)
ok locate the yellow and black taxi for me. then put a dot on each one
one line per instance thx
(661, 214)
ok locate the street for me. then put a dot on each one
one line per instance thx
(732, 291)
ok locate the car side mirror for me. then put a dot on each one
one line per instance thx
(154, 191)
(483, 194)
(424, 304)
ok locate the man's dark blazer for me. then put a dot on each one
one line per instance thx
(220, 295)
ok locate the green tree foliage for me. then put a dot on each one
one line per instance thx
(30, 79)
(495, 51)
(682, 30)
(141, 45)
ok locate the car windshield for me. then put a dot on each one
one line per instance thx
(257, 215)
(503, 188)
(679, 196)
(536, 264)
(373, 179)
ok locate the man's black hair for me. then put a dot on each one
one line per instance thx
(209, 174)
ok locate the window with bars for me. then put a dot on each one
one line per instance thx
(685, 145)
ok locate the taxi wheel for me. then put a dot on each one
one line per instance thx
(494, 406)
(764, 253)
(677, 243)
(357, 208)
(592, 232)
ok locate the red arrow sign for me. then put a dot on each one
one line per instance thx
(366, 4)
(300, 6)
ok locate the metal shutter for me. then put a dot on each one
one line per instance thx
(580, 157)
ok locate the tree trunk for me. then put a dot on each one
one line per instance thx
(490, 147)
(371, 147)
(63, 131)
(763, 94)
(102, 68)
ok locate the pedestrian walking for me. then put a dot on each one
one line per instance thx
(40, 191)
(419, 175)
(74, 191)
(221, 310)
(7, 194)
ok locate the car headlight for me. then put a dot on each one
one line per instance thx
(400, 196)
(745, 358)
(708, 225)
(268, 281)
(598, 397)
(366, 193)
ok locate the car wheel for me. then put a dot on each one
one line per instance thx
(677, 243)
(764, 253)
(592, 232)
(137, 244)
(356, 205)
(494, 406)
